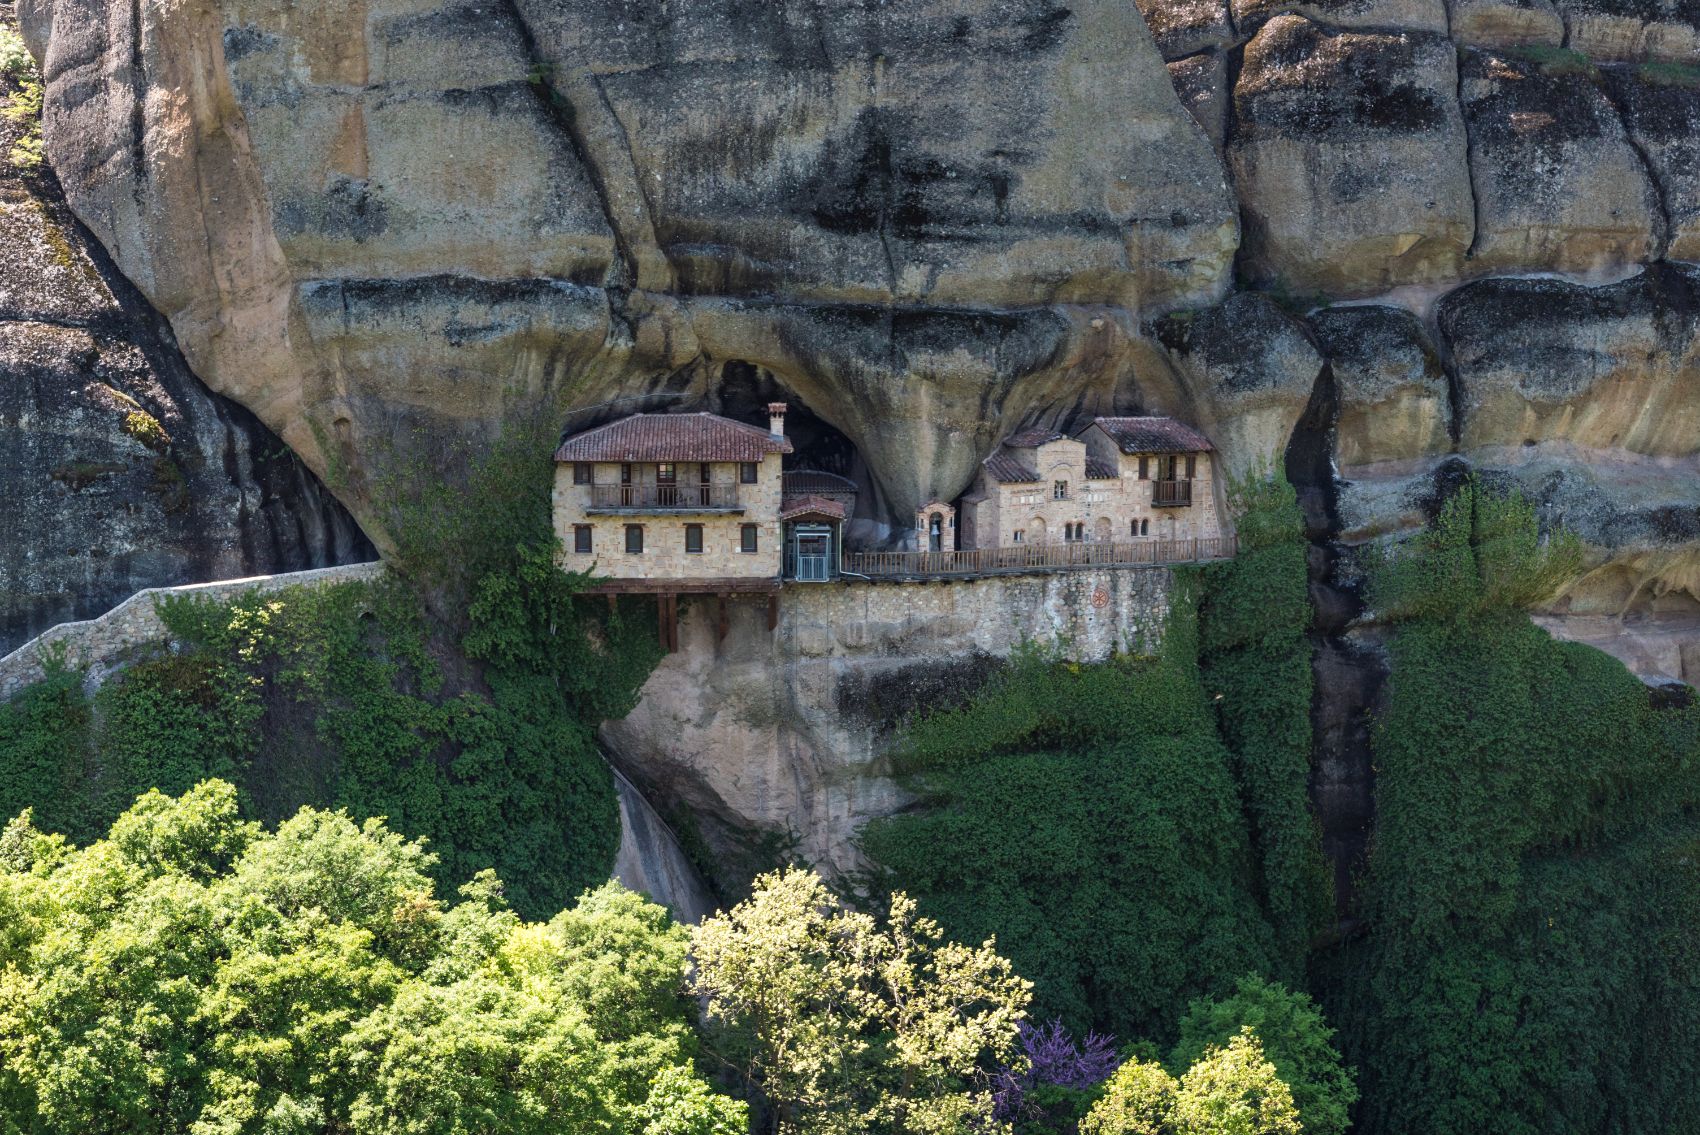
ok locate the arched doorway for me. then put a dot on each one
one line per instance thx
(1036, 531)
(1101, 530)
(935, 532)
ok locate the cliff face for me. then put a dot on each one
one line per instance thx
(118, 468)
(1436, 235)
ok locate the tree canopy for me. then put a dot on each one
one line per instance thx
(194, 973)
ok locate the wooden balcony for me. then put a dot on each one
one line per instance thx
(664, 498)
(1171, 494)
(1023, 558)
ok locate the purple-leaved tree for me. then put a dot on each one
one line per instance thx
(1054, 1058)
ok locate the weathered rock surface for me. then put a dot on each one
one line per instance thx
(538, 205)
(1349, 154)
(1394, 402)
(778, 742)
(1505, 23)
(1248, 370)
(118, 469)
(1558, 185)
(1666, 30)
(1201, 83)
(1182, 27)
(1663, 121)
(1413, 15)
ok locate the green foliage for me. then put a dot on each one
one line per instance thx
(1557, 61)
(1087, 816)
(1532, 885)
(1295, 1039)
(194, 973)
(1255, 662)
(1667, 74)
(1230, 1090)
(354, 696)
(1483, 554)
(848, 1026)
(24, 107)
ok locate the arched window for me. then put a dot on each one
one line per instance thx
(935, 533)
(1145, 527)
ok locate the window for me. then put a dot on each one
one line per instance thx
(1059, 490)
(1133, 526)
(666, 473)
(1144, 468)
(1145, 527)
(583, 473)
(746, 472)
(702, 473)
(625, 474)
(1020, 535)
(581, 539)
(634, 539)
(693, 539)
(747, 537)
(1191, 466)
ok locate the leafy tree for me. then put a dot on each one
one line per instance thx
(1088, 817)
(847, 1026)
(1531, 956)
(194, 974)
(1231, 1090)
(1295, 1039)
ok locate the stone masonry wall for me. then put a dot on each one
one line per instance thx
(786, 733)
(102, 644)
(664, 555)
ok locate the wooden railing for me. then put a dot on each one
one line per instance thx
(664, 498)
(1040, 557)
(1171, 494)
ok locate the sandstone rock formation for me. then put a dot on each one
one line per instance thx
(430, 216)
(1349, 153)
(118, 469)
(394, 224)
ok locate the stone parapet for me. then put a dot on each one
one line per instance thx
(98, 644)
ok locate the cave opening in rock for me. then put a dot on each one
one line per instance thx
(744, 394)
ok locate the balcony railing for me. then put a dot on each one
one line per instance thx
(1040, 557)
(1171, 494)
(665, 498)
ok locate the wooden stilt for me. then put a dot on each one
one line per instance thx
(773, 611)
(613, 602)
(663, 624)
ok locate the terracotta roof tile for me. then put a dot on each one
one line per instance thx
(1005, 467)
(792, 507)
(1032, 438)
(672, 437)
(1097, 470)
(799, 482)
(1154, 435)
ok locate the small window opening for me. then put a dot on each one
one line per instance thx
(747, 537)
(634, 539)
(1059, 490)
(693, 539)
(747, 472)
(583, 473)
(581, 539)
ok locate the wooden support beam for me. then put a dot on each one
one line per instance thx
(663, 627)
(773, 612)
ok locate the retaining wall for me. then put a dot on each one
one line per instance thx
(101, 644)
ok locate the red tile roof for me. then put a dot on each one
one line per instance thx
(1032, 437)
(1005, 467)
(800, 482)
(1097, 470)
(793, 507)
(672, 437)
(1153, 435)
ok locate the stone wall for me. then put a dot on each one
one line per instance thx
(780, 739)
(664, 555)
(102, 644)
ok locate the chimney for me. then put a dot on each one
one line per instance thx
(776, 419)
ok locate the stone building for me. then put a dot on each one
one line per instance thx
(661, 498)
(1120, 479)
